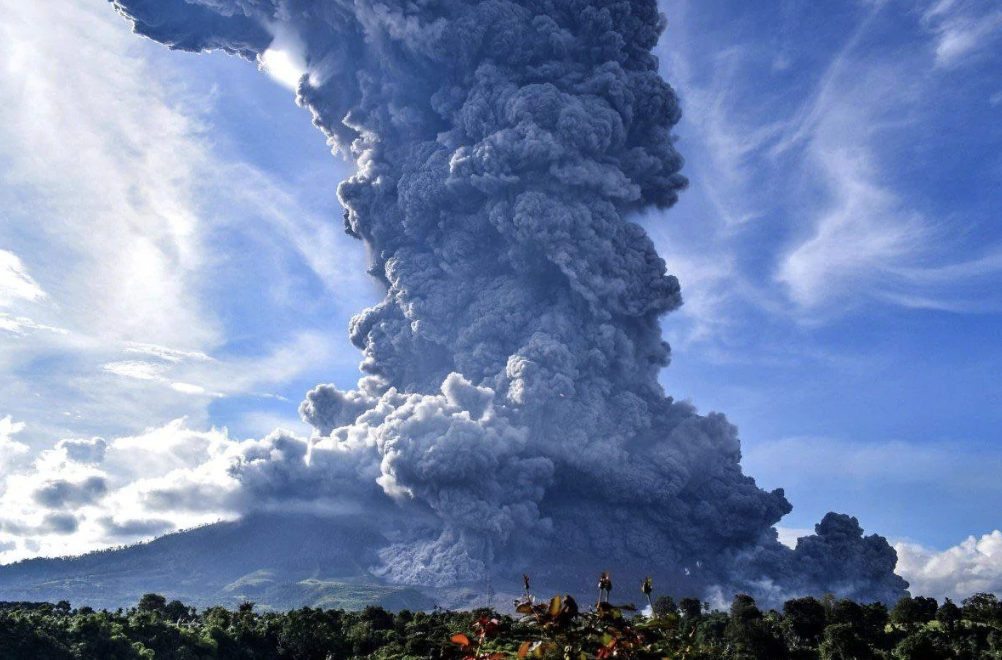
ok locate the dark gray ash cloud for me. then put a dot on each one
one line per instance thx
(510, 406)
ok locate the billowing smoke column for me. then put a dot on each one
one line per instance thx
(510, 412)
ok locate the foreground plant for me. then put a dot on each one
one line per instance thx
(483, 628)
(559, 629)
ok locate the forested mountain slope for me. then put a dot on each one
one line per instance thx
(277, 561)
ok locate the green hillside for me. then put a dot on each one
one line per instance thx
(280, 562)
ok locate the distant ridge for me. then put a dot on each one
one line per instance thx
(278, 561)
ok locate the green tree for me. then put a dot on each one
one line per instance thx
(664, 605)
(910, 611)
(875, 618)
(690, 608)
(848, 612)
(922, 645)
(842, 642)
(927, 608)
(177, 611)
(948, 615)
(21, 639)
(804, 621)
(152, 604)
(982, 608)
(744, 609)
(750, 635)
(377, 617)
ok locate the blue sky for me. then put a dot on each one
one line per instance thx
(171, 248)
(840, 250)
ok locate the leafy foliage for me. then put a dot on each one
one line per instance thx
(556, 628)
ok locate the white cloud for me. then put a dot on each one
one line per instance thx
(187, 388)
(858, 227)
(973, 566)
(114, 202)
(165, 353)
(200, 375)
(865, 242)
(260, 423)
(788, 535)
(11, 451)
(136, 369)
(285, 58)
(82, 495)
(17, 287)
(962, 29)
(87, 494)
(124, 209)
(106, 211)
(962, 286)
(701, 238)
(864, 234)
(796, 210)
(20, 325)
(159, 451)
(730, 137)
(15, 282)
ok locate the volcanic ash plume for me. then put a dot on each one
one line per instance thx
(510, 413)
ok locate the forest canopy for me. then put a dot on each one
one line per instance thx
(805, 628)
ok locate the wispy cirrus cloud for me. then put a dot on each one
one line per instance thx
(106, 211)
(861, 229)
(133, 242)
(18, 290)
(198, 374)
(962, 28)
(165, 353)
(15, 282)
(865, 236)
(117, 202)
(798, 184)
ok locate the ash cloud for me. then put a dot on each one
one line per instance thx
(510, 407)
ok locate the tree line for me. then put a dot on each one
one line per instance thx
(559, 628)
